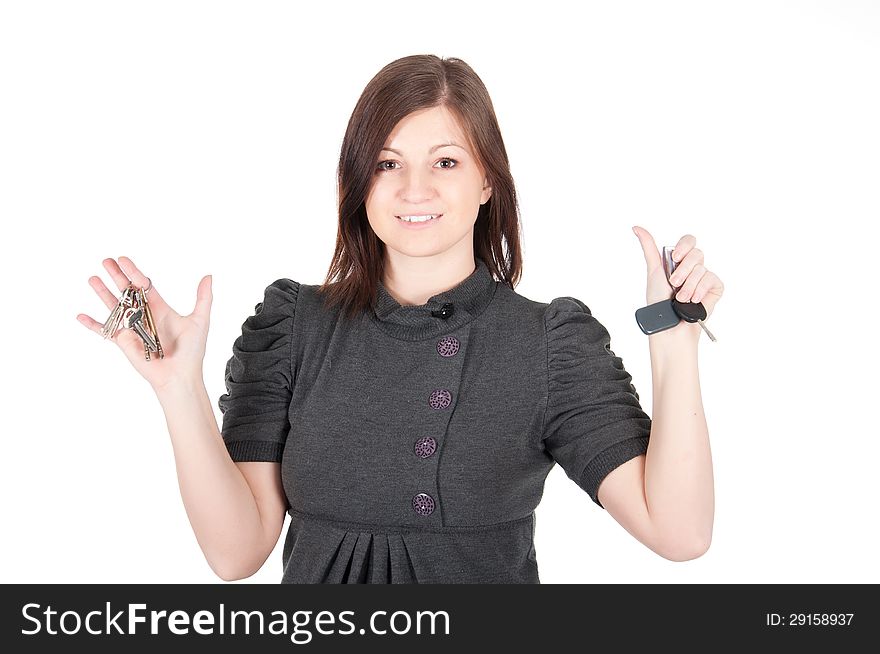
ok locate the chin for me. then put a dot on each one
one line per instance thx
(411, 249)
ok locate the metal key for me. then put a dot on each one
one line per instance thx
(138, 304)
(691, 312)
(132, 318)
(687, 311)
(111, 325)
(151, 325)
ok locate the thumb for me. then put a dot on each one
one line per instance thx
(649, 248)
(204, 297)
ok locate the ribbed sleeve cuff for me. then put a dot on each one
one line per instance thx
(607, 460)
(250, 450)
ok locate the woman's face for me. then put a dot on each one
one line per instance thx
(414, 177)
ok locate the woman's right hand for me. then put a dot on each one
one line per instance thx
(183, 338)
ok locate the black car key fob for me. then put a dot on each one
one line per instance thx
(689, 311)
(657, 317)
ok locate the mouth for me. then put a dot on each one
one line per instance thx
(419, 219)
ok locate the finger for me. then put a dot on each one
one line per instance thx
(708, 284)
(685, 244)
(90, 323)
(686, 292)
(103, 292)
(649, 247)
(116, 273)
(97, 327)
(140, 279)
(204, 297)
(684, 268)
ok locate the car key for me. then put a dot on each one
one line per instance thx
(687, 311)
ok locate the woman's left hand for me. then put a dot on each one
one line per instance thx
(698, 284)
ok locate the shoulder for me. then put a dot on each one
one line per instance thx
(279, 298)
(550, 315)
(568, 326)
(510, 302)
(281, 291)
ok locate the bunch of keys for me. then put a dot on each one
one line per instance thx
(133, 312)
(687, 311)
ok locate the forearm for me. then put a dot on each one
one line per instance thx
(679, 484)
(218, 500)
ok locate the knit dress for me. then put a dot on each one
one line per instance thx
(414, 441)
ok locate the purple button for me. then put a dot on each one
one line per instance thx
(423, 504)
(448, 346)
(425, 447)
(440, 399)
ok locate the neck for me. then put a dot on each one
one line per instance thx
(412, 280)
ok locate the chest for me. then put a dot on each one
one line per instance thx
(375, 418)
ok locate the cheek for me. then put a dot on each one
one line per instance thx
(465, 189)
(378, 205)
(378, 195)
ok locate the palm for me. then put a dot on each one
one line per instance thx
(658, 288)
(183, 338)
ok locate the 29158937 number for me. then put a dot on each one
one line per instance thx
(809, 619)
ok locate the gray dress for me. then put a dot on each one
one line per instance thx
(414, 441)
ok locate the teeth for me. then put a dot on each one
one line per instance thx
(418, 219)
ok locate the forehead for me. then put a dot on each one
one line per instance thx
(425, 128)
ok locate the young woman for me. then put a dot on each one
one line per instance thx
(406, 412)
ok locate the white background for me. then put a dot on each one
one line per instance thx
(202, 138)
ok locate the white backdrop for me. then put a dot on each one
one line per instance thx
(202, 137)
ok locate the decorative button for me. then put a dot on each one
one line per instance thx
(423, 504)
(440, 399)
(445, 311)
(425, 447)
(448, 346)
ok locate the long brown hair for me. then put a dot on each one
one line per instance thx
(403, 86)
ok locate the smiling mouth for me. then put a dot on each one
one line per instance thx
(416, 219)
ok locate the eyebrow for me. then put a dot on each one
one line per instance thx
(439, 145)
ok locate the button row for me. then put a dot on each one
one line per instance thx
(448, 346)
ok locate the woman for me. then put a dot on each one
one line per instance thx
(406, 412)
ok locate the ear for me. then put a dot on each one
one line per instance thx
(487, 192)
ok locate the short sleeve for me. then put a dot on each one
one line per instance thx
(259, 378)
(593, 421)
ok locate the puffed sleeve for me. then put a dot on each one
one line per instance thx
(593, 422)
(259, 378)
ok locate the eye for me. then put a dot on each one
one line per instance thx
(381, 167)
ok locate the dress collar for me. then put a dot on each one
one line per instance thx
(442, 313)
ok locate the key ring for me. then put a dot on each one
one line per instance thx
(150, 286)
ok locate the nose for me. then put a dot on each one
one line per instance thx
(417, 186)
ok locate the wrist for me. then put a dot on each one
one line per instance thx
(182, 384)
(684, 334)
